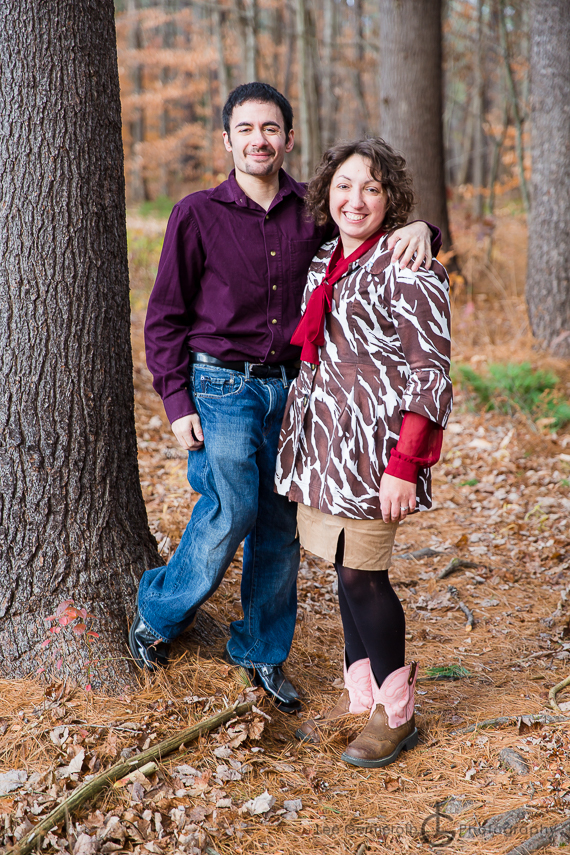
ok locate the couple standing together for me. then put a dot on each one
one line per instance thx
(349, 433)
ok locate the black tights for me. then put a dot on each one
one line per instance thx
(372, 618)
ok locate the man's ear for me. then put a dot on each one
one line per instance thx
(290, 141)
(228, 142)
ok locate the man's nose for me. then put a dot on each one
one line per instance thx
(258, 138)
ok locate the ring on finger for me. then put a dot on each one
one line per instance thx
(404, 510)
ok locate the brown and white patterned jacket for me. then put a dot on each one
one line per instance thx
(387, 350)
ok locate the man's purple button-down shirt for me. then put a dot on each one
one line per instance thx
(230, 282)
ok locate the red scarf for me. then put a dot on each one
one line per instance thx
(310, 332)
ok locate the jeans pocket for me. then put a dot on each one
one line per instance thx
(216, 383)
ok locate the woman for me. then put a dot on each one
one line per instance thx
(362, 426)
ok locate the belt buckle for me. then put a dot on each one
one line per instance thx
(253, 365)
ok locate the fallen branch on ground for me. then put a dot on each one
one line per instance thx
(426, 552)
(540, 718)
(556, 834)
(554, 691)
(457, 564)
(81, 794)
(468, 614)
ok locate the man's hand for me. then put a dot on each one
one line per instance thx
(414, 238)
(188, 432)
(397, 498)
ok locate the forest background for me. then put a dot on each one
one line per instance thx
(178, 60)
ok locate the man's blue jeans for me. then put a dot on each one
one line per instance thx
(233, 473)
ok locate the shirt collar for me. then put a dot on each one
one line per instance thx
(230, 191)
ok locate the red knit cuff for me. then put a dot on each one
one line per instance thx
(398, 467)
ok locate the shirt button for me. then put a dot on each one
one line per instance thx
(274, 288)
(272, 252)
(274, 321)
(267, 217)
(272, 353)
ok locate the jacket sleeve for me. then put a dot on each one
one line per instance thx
(169, 314)
(421, 314)
(419, 446)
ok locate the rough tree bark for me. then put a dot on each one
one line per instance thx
(411, 110)
(548, 276)
(72, 518)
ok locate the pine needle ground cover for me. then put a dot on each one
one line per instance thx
(502, 504)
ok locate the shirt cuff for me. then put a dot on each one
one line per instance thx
(401, 467)
(178, 405)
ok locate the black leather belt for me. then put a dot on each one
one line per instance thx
(261, 370)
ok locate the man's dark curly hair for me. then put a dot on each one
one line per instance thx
(386, 166)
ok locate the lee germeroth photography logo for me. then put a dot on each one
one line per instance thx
(437, 829)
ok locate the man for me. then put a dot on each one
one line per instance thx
(224, 306)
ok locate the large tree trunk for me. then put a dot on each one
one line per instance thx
(548, 277)
(410, 78)
(72, 518)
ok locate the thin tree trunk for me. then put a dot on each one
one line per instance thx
(247, 22)
(223, 70)
(463, 172)
(291, 43)
(72, 517)
(168, 38)
(479, 137)
(518, 118)
(498, 143)
(362, 119)
(308, 111)
(410, 79)
(138, 190)
(548, 276)
(329, 101)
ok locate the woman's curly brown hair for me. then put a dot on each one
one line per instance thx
(386, 166)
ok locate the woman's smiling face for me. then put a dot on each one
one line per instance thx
(357, 202)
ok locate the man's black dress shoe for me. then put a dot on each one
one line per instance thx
(274, 682)
(148, 651)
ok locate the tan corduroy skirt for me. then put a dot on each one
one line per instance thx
(368, 544)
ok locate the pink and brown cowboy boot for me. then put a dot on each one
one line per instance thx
(391, 727)
(356, 699)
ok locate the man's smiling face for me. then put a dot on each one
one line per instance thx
(257, 138)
